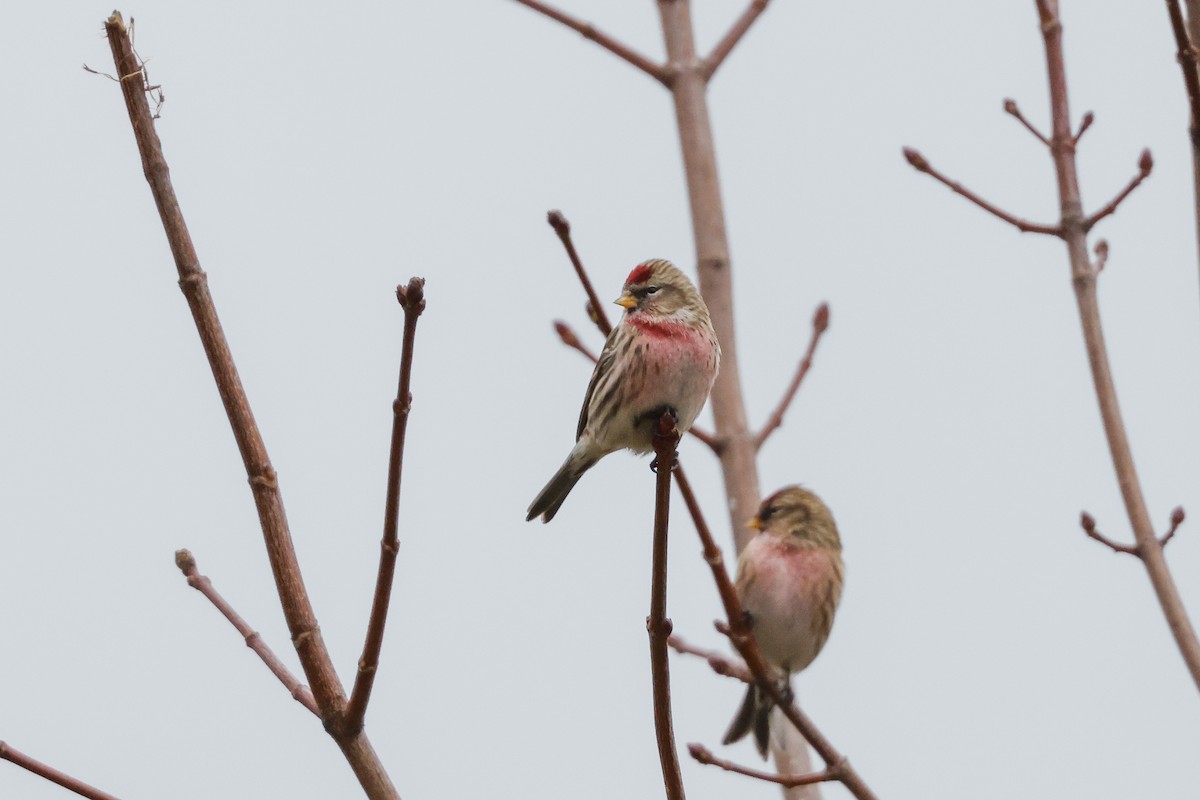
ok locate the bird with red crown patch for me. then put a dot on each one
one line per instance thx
(662, 356)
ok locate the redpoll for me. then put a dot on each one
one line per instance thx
(662, 356)
(789, 580)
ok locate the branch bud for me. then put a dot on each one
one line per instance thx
(187, 562)
(1010, 107)
(821, 318)
(917, 160)
(1177, 516)
(558, 222)
(1087, 522)
(1146, 162)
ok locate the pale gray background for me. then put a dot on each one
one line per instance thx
(324, 153)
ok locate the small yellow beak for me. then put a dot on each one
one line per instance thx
(754, 522)
(626, 300)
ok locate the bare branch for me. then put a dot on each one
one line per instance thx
(289, 582)
(29, 764)
(1083, 278)
(705, 756)
(412, 300)
(1186, 56)
(595, 309)
(589, 31)
(717, 57)
(666, 439)
(718, 661)
(1088, 523)
(820, 324)
(201, 583)
(1145, 165)
(919, 163)
(569, 338)
(1010, 107)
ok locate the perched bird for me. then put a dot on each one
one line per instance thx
(662, 356)
(789, 580)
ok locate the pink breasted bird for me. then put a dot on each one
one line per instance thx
(789, 581)
(662, 356)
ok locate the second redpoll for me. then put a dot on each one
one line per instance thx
(662, 356)
(789, 580)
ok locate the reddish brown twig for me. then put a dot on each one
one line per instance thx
(666, 439)
(201, 583)
(589, 31)
(1010, 107)
(703, 755)
(595, 310)
(820, 324)
(571, 340)
(297, 609)
(1145, 165)
(1084, 124)
(920, 164)
(1186, 56)
(743, 640)
(724, 47)
(29, 764)
(1088, 523)
(412, 300)
(719, 662)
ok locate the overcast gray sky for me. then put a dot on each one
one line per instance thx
(322, 154)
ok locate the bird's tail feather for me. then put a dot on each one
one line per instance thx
(754, 714)
(548, 501)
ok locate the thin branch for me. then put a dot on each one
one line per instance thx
(717, 57)
(1089, 527)
(1010, 107)
(297, 609)
(589, 31)
(568, 336)
(742, 638)
(1088, 523)
(1186, 56)
(666, 439)
(820, 324)
(919, 163)
(595, 309)
(718, 661)
(8, 753)
(201, 583)
(1084, 124)
(1176, 520)
(412, 300)
(1145, 165)
(703, 755)
(1083, 278)
(571, 340)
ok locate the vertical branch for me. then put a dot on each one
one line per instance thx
(712, 257)
(666, 439)
(412, 299)
(1083, 276)
(1186, 33)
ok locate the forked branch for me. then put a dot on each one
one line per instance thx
(595, 310)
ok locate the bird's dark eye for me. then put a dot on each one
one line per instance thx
(651, 289)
